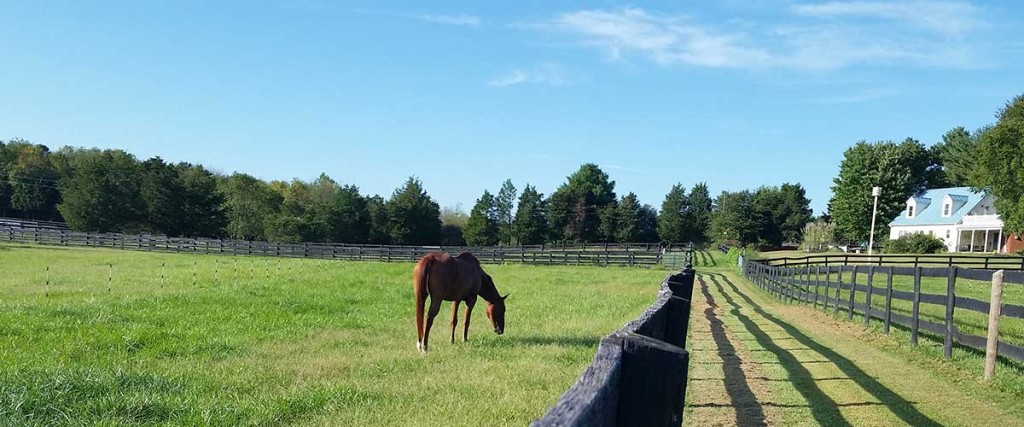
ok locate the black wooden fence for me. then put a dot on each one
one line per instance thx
(836, 288)
(1000, 262)
(638, 377)
(623, 254)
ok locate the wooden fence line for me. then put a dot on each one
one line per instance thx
(639, 373)
(804, 284)
(1002, 262)
(585, 254)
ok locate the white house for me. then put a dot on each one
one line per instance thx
(962, 218)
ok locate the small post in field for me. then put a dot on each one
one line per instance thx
(110, 277)
(162, 264)
(46, 290)
(194, 274)
(216, 271)
(995, 305)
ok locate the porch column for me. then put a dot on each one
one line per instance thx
(1001, 240)
(986, 241)
(972, 240)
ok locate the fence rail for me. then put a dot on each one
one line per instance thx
(638, 377)
(1002, 262)
(836, 288)
(584, 254)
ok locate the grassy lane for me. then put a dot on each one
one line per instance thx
(266, 342)
(803, 367)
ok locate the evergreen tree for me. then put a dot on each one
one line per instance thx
(482, 227)
(698, 218)
(629, 219)
(573, 209)
(530, 223)
(101, 192)
(672, 227)
(413, 217)
(504, 205)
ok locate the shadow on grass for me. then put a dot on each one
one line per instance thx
(563, 341)
(824, 409)
(899, 406)
(742, 398)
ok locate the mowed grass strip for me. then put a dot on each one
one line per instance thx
(820, 370)
(255, 341)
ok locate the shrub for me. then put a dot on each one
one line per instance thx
(917, 243)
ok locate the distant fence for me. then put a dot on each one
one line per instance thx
(1003, 262)
(29, 224)
(836, 288)
(621, 254)
(638, 377)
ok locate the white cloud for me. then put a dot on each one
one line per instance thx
(461, 20)
(944, 17)
(544, 74)
(829, 36)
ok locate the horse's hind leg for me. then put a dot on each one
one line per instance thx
(469, 310)
(455, 318)
(435, 307)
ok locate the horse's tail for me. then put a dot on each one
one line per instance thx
(421, 289)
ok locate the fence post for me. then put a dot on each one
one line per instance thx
(853, 292)
(839, 291)
(888, 301)
(817, 284)
(916, 312)
(995, 305)
(867, 297)
(947, 345)
(651, 368)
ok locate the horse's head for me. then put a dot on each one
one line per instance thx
(496, 312)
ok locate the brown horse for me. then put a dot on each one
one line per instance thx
(456, 279)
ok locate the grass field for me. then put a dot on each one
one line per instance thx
(251, 341)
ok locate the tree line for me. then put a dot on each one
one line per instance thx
(990, 159)
(112, 191)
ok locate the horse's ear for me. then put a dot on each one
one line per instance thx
(505, 297)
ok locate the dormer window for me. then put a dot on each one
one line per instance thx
(946, 207)
(910, 211)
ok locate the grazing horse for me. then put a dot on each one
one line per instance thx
(456, 279)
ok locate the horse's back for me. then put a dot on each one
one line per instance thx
(450, 278)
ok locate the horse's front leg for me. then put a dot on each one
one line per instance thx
(435, 307)
(455, 318)
(469, 311)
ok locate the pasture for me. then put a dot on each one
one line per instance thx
(123, 337)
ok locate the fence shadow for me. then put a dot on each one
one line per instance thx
(749, 411)
(824, 409)
(899, 406)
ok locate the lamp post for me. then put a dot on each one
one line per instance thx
(875, 191)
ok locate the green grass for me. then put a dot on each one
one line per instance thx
(266, 342)
(968, 361)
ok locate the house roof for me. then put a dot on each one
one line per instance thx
(932, 213)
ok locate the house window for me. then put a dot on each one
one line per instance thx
(947, 234)
(910, 211)
(945, 209)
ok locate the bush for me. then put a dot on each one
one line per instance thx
(917, 243)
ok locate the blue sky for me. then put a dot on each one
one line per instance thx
(466, 94)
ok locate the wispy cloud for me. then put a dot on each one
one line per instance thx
(821, 36)
(944, 17)
(461, 20)
(544, 74)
